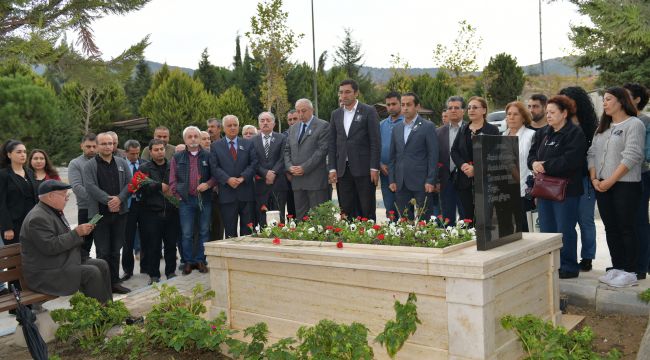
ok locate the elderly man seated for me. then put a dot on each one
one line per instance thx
(51, 251)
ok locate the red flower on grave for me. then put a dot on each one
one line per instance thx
(380, 237)
(391, 212)
(359, 218)
(263, 208)
(280, 225)
(440, 217)
(338, 230)
(364, 219)
(276, 241)
(257, 177)
(362, 230)
(376, 227)
(446, 220)
(329, 227)
(305, 218)
(469, 221)
(339, 244)
(290, 216)
(250, 225)
(422, 223)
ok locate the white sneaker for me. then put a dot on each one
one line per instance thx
(624, 279)
(609, 275)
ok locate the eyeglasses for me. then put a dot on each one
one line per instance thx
(454, 108)
(474, 107)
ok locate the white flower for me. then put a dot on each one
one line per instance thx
(443, 235)
(433, 218)
(392, 225)
(311, 230)
(334, 208)
(257, 228)
(371, 221)
(448, 228)
(472, 231)
(353, 227)
(292, 224)
(418, 234)
(398, 232)
(460, 222)
(320, 228)
(273, 223)
(370, 232)
(267, 230)
(454, 232)
(410, 227)
(285, 229)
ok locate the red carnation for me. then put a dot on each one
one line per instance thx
(446, 220)
(468, 220)
(361, 231)
(250, 225)
(281, 225)
(380, 237)
(305, 218)
(339, 244)
(376, 227)
(364, 219)
(338, 230)
(392, 212)
(359, 218)
(329, 227)
(422, 223)
(276, 241)
(290, 216)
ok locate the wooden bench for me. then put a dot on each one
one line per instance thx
(11, 268)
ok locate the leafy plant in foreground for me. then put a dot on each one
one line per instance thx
(541, 340)
(645, 296)
(397, 331)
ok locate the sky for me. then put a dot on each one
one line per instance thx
(180, 30)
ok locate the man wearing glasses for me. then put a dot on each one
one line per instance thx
(446, 136)
(106, 178)
(51, 251)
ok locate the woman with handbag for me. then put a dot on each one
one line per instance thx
(557, 156)
(614, 161)
(462, 153)
(518, 119)
(586, 118)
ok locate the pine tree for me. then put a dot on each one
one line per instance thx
(233, 102)
(137, 87)
(348, 55)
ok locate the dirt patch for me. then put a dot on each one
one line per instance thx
(623, 332)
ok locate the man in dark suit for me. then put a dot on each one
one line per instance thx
(292, 118)
(270, 181)
(354, 151)
(305, 158)
(412, 169)
(51, 251)
(233, 164)
(132, 237)
(446, 135)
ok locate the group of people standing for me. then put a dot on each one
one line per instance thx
(212, 186)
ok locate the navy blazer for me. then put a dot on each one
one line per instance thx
(414, 163)
(361, 146)
(223, 167)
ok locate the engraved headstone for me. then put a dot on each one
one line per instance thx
(497, 196)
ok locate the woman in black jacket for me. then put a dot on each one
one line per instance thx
(18, 193)
(559, 150)
(463, 155)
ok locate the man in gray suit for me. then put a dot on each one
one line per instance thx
(354, 152)
(270, 180)
(305, 158)
(106, 178)
(51, 251)
(413, 164)
(446, 135)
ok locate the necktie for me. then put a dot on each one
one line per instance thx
(233, 151)
(267, 145)
(302, 132)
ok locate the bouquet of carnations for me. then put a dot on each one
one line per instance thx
(140, 179)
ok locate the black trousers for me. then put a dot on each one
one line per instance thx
(109, 237)
(274, 200)
(82, 218)
(291, 204)
(422, 199)
(96, 280)
(216, 229)
(134, 219)
(157, 229)
(466, 197)
(17, 224)
(347, 186)
(617, 207)
(233, 210)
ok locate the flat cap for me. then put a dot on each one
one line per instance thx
(52, 185)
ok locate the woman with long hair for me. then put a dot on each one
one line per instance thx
(463, 155)
(17, 190)
(559, 151)
(586, 118)
(517, 121)
(42, 167)
(615, 159)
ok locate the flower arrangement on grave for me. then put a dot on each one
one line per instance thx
(325, 223)
(140, 179)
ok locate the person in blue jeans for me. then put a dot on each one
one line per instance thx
(386, 126)
(189, 180)
(586, 118)
(559, 150)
